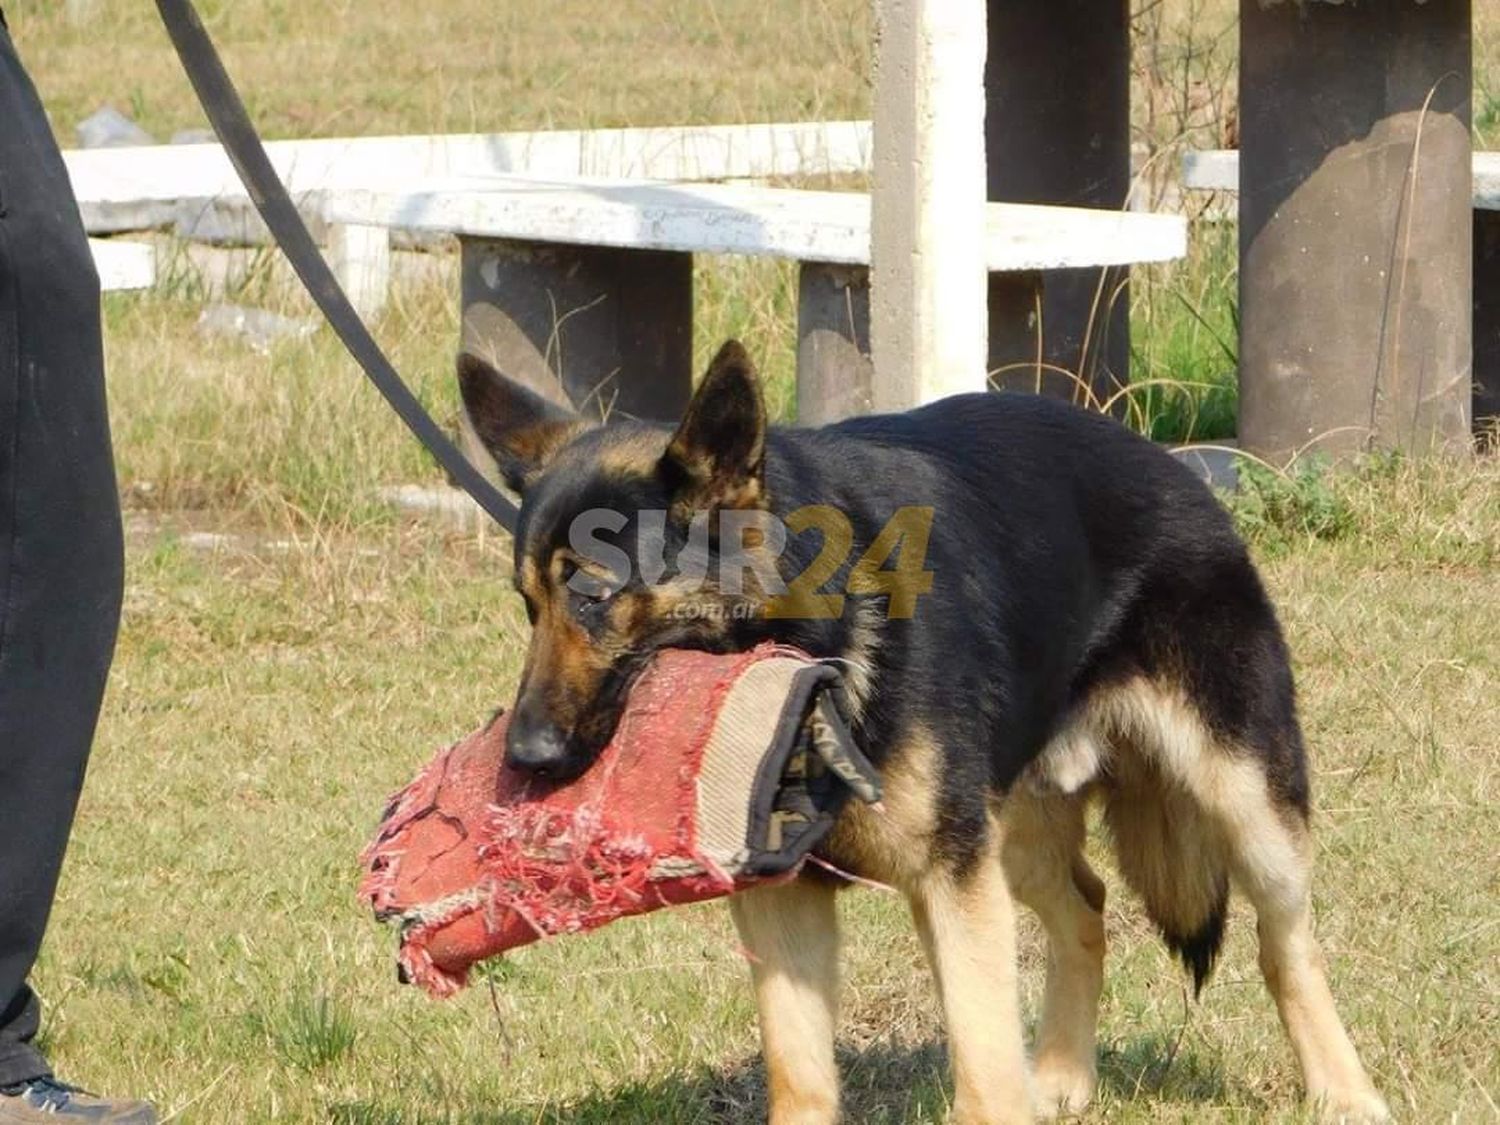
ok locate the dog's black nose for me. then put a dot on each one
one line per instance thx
(536, 748)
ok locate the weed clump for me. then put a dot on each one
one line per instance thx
(1277, 510)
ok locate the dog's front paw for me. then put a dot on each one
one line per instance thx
(1062, 1087)
(1359, 1105)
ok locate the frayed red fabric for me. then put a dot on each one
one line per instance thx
(473, 858)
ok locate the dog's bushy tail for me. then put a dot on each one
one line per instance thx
(1171, 855)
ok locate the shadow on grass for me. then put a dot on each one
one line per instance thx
(882, 1085)
(1156, 1067)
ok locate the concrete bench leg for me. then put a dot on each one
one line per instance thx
(609, 330)
(1486, 321)
(1355, 226)
(834, 371)
(1019, 360)
(360, 257)
(1057, 130)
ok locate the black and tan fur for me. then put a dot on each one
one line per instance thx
(1095, 633)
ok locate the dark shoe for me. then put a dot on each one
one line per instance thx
(46, 1101)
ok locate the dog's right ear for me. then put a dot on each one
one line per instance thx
(717, 457)
(519, 428)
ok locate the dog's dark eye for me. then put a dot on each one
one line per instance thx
(587, 591)
(591, 591)
(591, 610)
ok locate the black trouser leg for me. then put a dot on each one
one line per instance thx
(60, 546)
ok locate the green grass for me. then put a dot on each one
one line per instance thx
(1185, 338)
(207, 948)
(209, 422)
(1486, 77)
(347, 69)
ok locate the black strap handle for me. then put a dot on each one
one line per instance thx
(226, 112)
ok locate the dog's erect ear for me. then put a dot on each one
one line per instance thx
(519, 428)
(717, 457)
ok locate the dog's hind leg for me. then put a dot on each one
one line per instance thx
(790, 933)
(967, 925)
(1042, 850)
(1220, 799)
(1269, 854)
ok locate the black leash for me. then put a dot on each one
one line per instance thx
(232, 124)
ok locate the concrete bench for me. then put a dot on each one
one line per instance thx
(1219, 170)
(194, 190)
(149, 186)
(586, 288)
(123, 265)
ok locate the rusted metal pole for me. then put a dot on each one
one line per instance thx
(1057, 130)
(1355, 225)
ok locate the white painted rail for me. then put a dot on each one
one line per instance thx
(124, 265)
(809, 226)
(1219, 170)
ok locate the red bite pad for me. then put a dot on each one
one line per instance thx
(475, 858)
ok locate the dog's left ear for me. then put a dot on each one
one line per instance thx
(717, 457)
(520, 429)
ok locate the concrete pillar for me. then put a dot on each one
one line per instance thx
(1486, 321)
(834, 372)
(1057, 130)
(928, 320)
(609, 330)
(1355, 224)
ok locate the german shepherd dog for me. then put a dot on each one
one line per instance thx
(1082, 626)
